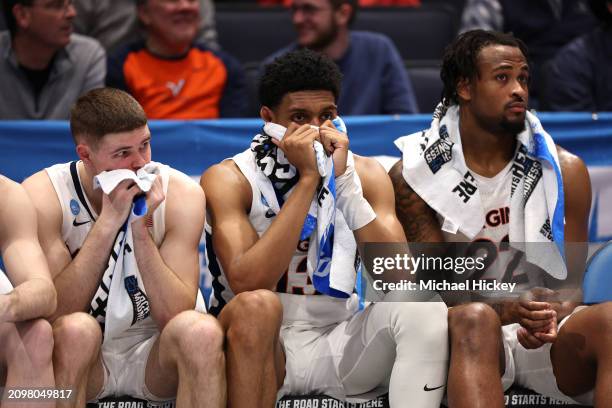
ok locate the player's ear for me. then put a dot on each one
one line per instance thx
(84, 153)
(266, 114)
(464, 90)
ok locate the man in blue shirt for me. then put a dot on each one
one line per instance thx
(374, 81)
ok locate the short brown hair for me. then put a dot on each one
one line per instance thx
(102, 111)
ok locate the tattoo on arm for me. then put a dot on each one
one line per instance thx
(417, 218)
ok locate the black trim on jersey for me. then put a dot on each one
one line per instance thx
(79, 190)
(215, 271)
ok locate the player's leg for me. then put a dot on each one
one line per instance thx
(77, 362)
(406, 341)
(582, 355)
(26, 358)
(187, 360)
(255, 359)
(477, 357)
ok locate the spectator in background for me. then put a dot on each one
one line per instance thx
(543, 25)
(374, 78)
(363, 3)
(43, 66)
(170, 74)
(115, 22)
(580, 76)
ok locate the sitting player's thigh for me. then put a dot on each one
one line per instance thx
(534, 368)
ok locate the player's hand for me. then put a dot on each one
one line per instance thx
(116, 206)
(335, 143)
(535, 313)
(533, 340)
(155, 196)
(297, 145)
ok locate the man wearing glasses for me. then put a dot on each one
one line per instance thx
(43, 66)
(374, 79)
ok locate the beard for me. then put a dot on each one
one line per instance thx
(512, 127)
(325, 38)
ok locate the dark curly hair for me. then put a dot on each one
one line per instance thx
(300, 70)
(460, 58)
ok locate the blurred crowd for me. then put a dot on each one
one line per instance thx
(169, 56)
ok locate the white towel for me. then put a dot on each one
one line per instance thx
(127, 298)
(332, 248)
(434, 167)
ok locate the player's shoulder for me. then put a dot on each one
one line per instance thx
(181, 184)
(225, 183)
(7, 185)
(15, 194)
(368, 167)
(573, 170)
(38, 185)
(569, 161)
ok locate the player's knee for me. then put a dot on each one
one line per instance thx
(256, 318)
(38, 342)
(75, 335)
(473, 322)
(192, 333)
(603, 323)
(429, 319)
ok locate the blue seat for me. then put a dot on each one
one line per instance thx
(597, 283)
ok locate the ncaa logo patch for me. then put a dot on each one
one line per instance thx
(75, 207)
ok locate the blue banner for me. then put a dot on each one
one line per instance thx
(193, 146)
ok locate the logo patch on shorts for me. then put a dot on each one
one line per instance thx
(75, 207)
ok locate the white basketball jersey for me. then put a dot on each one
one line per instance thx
(294, 284)
(78, 216)
(502, 263)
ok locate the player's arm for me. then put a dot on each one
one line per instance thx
(251, 262)
(33, 295)
(76, 280)
(417, 219)
(171, 273)
(577, 195)
(378, 191)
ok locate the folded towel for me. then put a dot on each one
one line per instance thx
(127, 299)
(333, 242)
(434, 167)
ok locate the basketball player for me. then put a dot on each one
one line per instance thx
(27, 296)
(486, 85)
(324, 345)
(169, 349)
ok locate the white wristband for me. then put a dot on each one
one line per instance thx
(350, 201)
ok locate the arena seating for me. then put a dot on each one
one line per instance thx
(251, 33)
(427, 84)
(418, 33)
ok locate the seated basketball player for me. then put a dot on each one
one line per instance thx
(301, 340)
(125, 323)
(500, 181)
(27, 296)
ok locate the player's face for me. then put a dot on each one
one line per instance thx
(174, 21)
(50, 21)
(305, 107)
(124, 150)
(315, 22)
(500, 93)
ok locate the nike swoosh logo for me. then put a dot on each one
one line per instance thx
(77, 224)
(426, 388)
